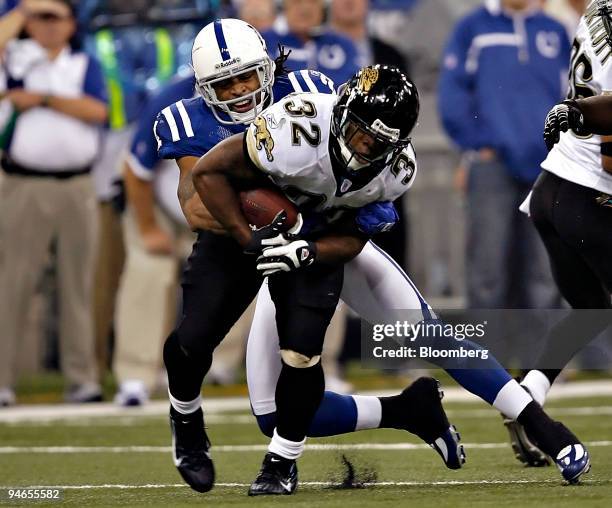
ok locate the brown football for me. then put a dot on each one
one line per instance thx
(260, 206)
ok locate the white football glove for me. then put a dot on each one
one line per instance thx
(286, 258)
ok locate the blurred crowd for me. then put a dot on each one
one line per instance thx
(90, 223)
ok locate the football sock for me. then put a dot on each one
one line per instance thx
(337, 414)
(185, 408)
(550, 436)
(538, 384)
(512, 399)
(298, 395)
(369, 412)
(185, 374)
(285, 448)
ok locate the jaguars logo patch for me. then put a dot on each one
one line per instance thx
(367, 78)
(263, 139)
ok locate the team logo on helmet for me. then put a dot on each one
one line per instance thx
(367, 78)
(263, 139)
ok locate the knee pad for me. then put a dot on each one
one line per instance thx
(299, 360)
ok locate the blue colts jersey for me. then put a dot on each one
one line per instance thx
(189, 128)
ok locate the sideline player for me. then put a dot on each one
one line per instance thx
(571, 207)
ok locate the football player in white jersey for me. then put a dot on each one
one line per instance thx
(571, 207)
(335, 157)
(236, 78)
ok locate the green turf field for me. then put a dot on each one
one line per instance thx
(138, 469)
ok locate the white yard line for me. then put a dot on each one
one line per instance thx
(213, 406)
(248, 419)
(250, 448)
(449, 483)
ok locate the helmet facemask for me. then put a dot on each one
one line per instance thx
(259, 98)
(385, 146)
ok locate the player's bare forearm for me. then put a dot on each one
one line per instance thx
(196, 214)
(597, 113)
(336, 249)
(214, 177)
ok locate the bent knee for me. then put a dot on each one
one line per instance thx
(299, 360)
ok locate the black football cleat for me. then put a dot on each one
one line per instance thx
(554, 440)
(418, 409)
(190, 450)
(277, 476)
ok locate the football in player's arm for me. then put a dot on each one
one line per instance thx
(227, 166)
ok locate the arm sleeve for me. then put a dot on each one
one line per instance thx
(94, 83)
(169, 142)
(456, 97)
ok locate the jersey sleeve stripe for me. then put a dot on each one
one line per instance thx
(309, 82)
(300, 79)
(294, 83)
(185, 118)
(171, 123)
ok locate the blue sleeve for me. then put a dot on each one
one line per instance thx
(308, 81)
(456, 92)
(322, 83)
(171, 142)
(145, 145)
(94, 83)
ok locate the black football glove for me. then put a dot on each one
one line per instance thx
(561, 118)
(286, 258)
(271, 235)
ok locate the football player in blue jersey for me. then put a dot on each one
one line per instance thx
(190, 128)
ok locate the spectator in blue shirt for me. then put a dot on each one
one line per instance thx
(504, 67)
(312, 46)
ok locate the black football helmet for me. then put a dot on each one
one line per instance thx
(382, 102)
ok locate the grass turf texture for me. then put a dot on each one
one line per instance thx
(492, 477)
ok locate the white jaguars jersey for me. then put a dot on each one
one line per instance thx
(290, 143)
(578, 158)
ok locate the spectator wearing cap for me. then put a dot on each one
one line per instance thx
(47, 194)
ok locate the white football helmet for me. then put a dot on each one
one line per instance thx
(225, 49)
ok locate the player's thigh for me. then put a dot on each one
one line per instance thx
(577, 282)
(219, 282)
(585, 223)
(305, 301)
(376, 288)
